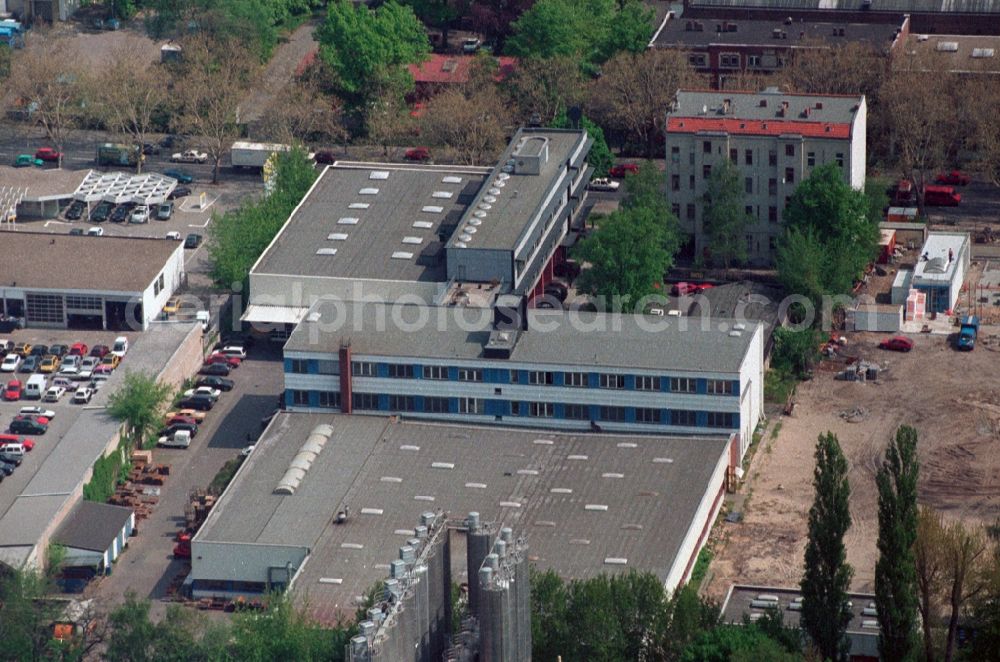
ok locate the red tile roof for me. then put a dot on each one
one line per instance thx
(455, 69)
(758, 127)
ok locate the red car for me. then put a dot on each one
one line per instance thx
(78, 349)
(15, 439)
(100, 351)
(47, 154)
(619, 171)
(186, 420)
(417, 154)
(13, 390)
(897, 344)
(232, 361)
(953, 178)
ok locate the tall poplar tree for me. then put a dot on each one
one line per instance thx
(825, 613)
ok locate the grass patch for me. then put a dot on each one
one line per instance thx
(779, 386)
(225, 475)
(700, 567)
(775, 430)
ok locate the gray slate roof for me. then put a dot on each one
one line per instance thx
(838, 109)
(553, 337)
(760, 32)
(367, 251)
(92, 526)
(375, 463)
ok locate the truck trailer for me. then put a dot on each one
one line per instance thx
(116, 154)
(254, 155)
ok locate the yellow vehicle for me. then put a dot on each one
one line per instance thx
(173, 303)
(22, 348)
(111, 360)
(50, 363)
(198, 416)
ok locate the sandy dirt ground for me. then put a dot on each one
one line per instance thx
(952, 398)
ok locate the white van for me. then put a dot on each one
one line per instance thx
(35, 387)
(120, 348)
(14, 450)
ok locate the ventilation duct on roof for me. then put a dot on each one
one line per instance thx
(303, 460)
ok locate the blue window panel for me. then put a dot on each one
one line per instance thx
(288, 365)
(629, 382)
(382, 370)
(313, 395)
(418, 371)
(664, 384)
(452, 373)
(312, 367)
(593, 380)
(701, 388)
(630, 411)
(736, 388)
(559, 379)
(493, 407)
(418, 403)
(496, 376)
(383, 398)
(701, 417)
(288, 398)
(453, 405)
(595, 412)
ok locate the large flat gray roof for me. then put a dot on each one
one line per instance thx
(678, 33)
(518, 197)
(553, 337)
(838, 109)
(389, 471)
(397, 196)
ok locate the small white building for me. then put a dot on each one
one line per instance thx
(94, 535)
(941, 268)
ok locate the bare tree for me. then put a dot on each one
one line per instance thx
(965, 554)
(213, 82)
(474, 125)
(981, 99)
(47, 85)
(850, 68)
(634, 92)
(131, 89)
(929, 562)
(302, 113)
(545, 87)
(386, 118)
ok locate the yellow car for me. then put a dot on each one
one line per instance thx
(22, 348)
(111, 360)
(50, 363)
(173, 303)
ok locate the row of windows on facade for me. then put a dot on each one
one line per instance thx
(533, 377)
(732, 60)
(441, 405)
(748, 156)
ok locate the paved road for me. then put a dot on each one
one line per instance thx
(147, 566)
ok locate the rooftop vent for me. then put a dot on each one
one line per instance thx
(947, 46)
(443, 195)
(303, 460)
(423, 225)
(379, 174)
(402, 255)
(449, 66)
(412, 240)
(326, 251)
(358, 205)
(451, 179)
(337, 236)
(530, 154)
(347, 220)
(432, 209)
(368, 191)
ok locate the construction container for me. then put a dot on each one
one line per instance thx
(879, 318)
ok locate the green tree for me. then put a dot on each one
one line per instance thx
(137, 403)
(725, 218)
(795, 352)
(551, 631)
(25, 615)
(589, 30)
(827, 577)
(688, 616)
(600, 157)
(365, 47)
(285, 632)
(239, 236)
(741, 643)
(180, 637)
(895, 570)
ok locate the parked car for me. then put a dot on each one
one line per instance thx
(54, 394)
(104, 369)
(100, 212)
(29, 365)
(231, 361)
(120, 347)
(199, 402)
(139, 215)
(99, 351)
(179, 439)
(177, 419)
(11, 363)
(216, 369)
(13, 391)
(173, 235)
(48, 154)
(95, 232)
(619, 171)
(189, 156)
(32, 410)
(203, 390)
(59, 350)
(897, 344)
(50, 364)
(77, 232)
(40, 350)
(953, 178)
(87, 366)
(120, 213)
(22, 349)
(26, 161)
(603, 184)
(29, 425)
(172, 304)
(179, 192)
(181, 176)
(193, 240)
(83, 395)
(78, 349)
(471, 45)
(191, 427)
(324, 157)
(220, 383)
(111, 361)
(149, 149)
(75, 210)
(164, 211)
(191, 414)
(417, 154)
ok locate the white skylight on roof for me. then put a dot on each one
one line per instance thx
(433, 209)
(337, 236)
(445, 195)
(326, 251)
(982, 52)
(347, 220)
(451, 179)
(368, 191)
(412, 240)
(423, 225)
(947, 46)
(358, 205)
(379, 174)
(402, 255)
